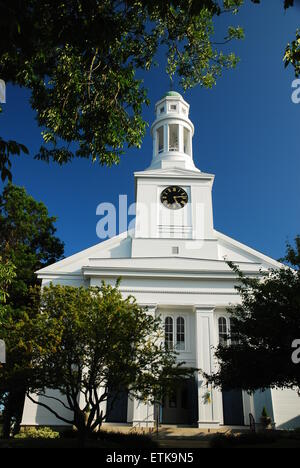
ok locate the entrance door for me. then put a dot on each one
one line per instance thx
(117, 407)
(180, 405)
(233, 411)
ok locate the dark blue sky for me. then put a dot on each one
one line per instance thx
(246, 133)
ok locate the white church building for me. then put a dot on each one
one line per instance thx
(174, 262)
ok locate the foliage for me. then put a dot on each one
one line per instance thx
(7, 274)
(7, 149)
(292, 54)
(266, 323)
(37, 433)
(27, 243)
(132, 439)
(90, 341)
(286, 3)
(15, 330)
(248, 438)
(27, 239)
(80, 59)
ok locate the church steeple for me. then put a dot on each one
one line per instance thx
(172, 133)
(173, 197)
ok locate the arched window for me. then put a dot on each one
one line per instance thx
(180, 333)
(222, 331)
(169, 335)
(233, 335)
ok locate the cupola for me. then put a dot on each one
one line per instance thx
(172, 133)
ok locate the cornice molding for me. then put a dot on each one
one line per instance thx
(127, 272)
(178, 291)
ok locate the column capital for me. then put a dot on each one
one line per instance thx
(204, 308)
(149, 306)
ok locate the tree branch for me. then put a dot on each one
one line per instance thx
(56, 399)
(49, 409)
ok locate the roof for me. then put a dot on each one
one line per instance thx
(172, 93)
(114, 257)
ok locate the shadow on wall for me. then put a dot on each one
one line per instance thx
(263, 399)
(290, 424)
(122, 250)
(43, 416)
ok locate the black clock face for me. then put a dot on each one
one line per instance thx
(174, 197)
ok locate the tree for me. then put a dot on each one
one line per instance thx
(27, 241)
(79, 59)
(7, 274)
(7, 150)
(91, 340)
(292, 54)
(265, 325)
(15, 330)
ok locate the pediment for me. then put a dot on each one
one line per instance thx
(233, 250)
(118, 246)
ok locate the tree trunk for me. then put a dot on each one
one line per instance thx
(7, 417)
(81, 439)
(13, 412)
(80, 424)
(18, 402)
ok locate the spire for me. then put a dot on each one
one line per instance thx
(172, 133)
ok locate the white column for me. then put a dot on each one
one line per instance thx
(155, 144)
(143, 414)
(166, 138)
(208, 397)
(143, 411)
(248, 407)
(2, 352)
(180, 138)
(191, 144)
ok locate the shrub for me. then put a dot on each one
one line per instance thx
(68, 434)
(222, 441)
(293, 434)
(37, 433)
(247, 438)
(132, 440)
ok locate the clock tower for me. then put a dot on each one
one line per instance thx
(174, 214)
